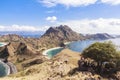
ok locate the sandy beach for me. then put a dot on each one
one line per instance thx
(46, 51)
(3, 44)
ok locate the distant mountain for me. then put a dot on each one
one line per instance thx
(35, 34)
(62, 33)
(99, 36)
(11, 37)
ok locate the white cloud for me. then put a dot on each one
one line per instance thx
(112, 2)
(22, 28)
(51, 19)
(68, 3)
(76, 3)
(100, 25)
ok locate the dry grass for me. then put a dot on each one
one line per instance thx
(55, 69)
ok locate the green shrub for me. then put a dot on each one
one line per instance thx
(103, 52)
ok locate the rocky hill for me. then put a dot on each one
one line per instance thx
(21, 54)
(62, 33)
(23, 51)
(26, 54)
(11, 38)
(99, 36)
(63, 66)
(57, 68)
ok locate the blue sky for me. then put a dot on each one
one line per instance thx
(40, 14)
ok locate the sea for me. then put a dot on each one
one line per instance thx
(4, 69)
(79, 46)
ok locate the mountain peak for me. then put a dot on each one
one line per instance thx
(61, 33)
(58, 28)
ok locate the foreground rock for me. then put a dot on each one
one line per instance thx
(60, 67)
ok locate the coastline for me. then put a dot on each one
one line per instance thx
(3, 44)
(45, 52)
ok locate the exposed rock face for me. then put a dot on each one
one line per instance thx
(62, 33)
(99, 36)
(24, 49)
(4, 52)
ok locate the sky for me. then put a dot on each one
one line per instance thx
(83, 16)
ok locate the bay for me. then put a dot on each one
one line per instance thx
(79, 46)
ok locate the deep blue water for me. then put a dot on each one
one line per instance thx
(79, 46)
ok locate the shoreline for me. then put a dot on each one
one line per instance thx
(3, 44)
(47, 50)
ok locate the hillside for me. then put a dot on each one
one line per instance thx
(24, 52)
(63, 66)
(62, 33)
(58, 68)
(99, 36)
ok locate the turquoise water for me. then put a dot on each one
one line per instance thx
(1, 44)
(51, 53)
(79, 46)
(4, 69)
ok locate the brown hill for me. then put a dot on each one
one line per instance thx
(58, 68)
(55, 35)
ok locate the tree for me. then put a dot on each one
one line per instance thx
(102, 52)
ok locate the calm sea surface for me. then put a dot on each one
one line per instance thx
(4, 69)
(79, 46)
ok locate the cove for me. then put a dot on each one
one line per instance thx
(4, 69)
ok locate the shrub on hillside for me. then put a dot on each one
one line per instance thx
(104, 54)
